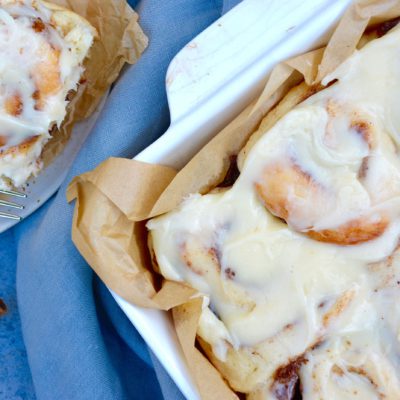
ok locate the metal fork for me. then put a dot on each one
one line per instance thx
(10, 204)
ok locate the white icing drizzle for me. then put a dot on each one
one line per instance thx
(271, 286)
(30, 54)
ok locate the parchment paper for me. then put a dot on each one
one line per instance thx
(120, 40)
(114, 200)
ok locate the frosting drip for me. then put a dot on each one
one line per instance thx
(39, 65)
(321, 283)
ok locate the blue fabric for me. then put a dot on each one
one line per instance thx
(15, 378)
(79, 344)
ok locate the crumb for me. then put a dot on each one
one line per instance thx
(3, 308)
(230, 273)
(38, 25)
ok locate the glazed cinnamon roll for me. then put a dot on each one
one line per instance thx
(42, 49)
(322, 178)
(298, 261)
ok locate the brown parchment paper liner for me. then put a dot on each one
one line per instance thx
(114, 200)
(120, 40)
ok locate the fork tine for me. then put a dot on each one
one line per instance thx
(10, 216)
(11, 205)
(12, 193)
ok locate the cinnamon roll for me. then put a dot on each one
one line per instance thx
(298, 261)
(42, 48)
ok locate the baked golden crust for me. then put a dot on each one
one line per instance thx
(302, 300)
(282, 179)
(66, 19)
(22, 148)
(55, 31)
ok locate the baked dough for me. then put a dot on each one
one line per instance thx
(299, 260)
(42, 48)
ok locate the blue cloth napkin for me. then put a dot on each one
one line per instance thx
(79, 344)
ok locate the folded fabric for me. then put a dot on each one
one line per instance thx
(79, 343)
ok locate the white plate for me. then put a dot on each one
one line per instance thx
(209, 82)
(42, 187)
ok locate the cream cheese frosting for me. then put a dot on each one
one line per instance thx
(293, 287)
(40, 64)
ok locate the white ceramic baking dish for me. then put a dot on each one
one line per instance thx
(212, 79)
